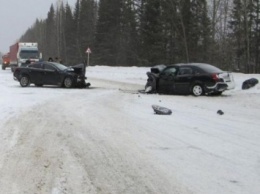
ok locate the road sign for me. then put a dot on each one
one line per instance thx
(88, 50)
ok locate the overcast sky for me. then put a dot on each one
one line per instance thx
(17, 16)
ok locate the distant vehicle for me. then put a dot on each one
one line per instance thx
(51, 73)
(22, 52)
(6, 61)
(188, 78)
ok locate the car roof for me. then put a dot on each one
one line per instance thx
(203, 66)
(191, 64)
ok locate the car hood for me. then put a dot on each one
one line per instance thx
(78, 69)
(157, 69)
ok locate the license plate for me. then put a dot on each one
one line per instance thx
(226, 77)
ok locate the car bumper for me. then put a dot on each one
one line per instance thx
(81, 83)
(228, 79)
(218, 87)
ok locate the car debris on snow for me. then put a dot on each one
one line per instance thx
(161, 110)
(249, 83)
(220, 112)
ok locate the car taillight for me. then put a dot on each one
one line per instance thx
(215, 76)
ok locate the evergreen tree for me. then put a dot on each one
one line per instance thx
(256, 35)
(127, 43)
(87, 25)
(203, 31)
(196, 30)
(152, 33)
(242, 25)
(51, 46)
(108, 29)
(69, 37)
(172, 31)
(59, 28)
(76, 26)
(116, 34)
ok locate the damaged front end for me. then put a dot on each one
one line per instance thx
(151, 84)
(80, 71)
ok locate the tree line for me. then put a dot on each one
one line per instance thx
(148, 32)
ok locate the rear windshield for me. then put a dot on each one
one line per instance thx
(210, 69)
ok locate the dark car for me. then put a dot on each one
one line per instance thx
(188, 78)
(51, 73)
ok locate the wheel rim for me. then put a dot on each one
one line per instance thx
(24, 81)
(68, 82)
(197, 90)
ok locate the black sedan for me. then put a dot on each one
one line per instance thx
(51, 73)
(188, 78)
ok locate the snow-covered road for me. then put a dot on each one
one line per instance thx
(108, 140)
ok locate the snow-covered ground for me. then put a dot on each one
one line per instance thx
(107, 139)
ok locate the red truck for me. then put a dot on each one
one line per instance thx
(6, 61)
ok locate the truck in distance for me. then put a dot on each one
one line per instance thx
(22, 52)
(6, 61)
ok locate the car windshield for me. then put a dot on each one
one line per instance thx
(60, 66)
(29, 54)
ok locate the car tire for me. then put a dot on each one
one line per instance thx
(197, 90)
(3, 67)
(68, 82)
(24, 81)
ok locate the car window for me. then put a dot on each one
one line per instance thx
(49, 67)
(170, 71)
(36, 65)
(197, 71)
(185, 71)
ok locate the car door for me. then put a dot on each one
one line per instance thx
(51, 75)
(36, 73)
(183, 80)
(166, 80)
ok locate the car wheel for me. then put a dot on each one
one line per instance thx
(3, 67)
(197, 90)
(68, 82)
(24, 81)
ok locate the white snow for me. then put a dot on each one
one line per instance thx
(107, 139)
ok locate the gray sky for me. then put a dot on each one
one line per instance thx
(16, 16)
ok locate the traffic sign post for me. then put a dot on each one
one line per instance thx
(88, 51)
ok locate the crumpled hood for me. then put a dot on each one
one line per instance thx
(158, 68)
(79, 69)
